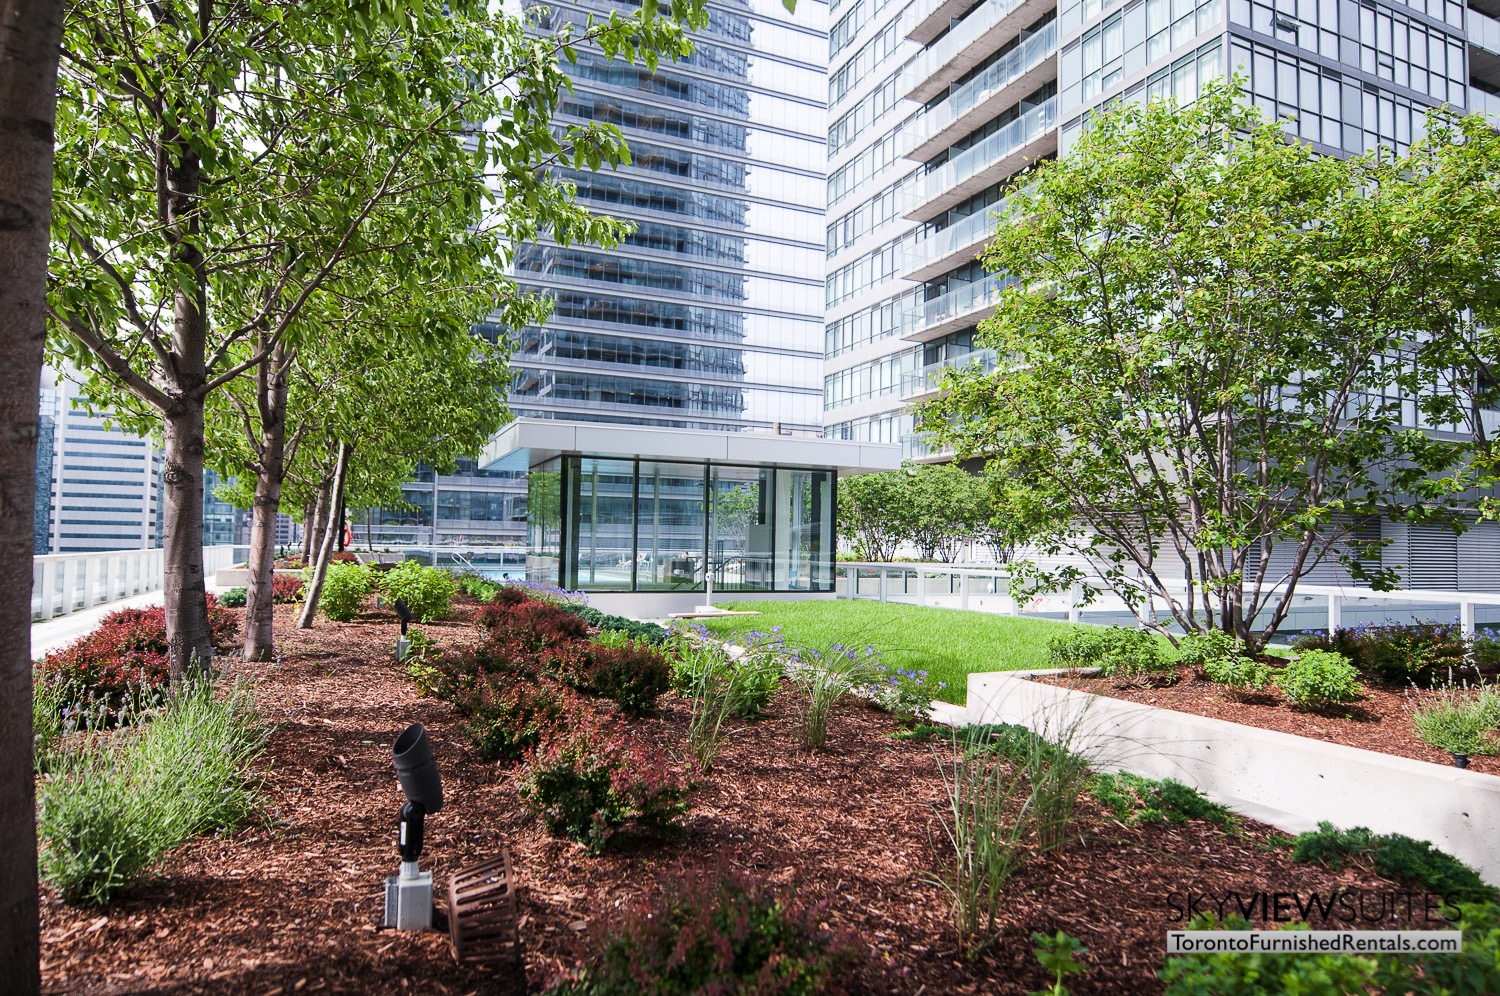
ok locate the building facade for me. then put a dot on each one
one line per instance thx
(710, 315)
(936, 105)
(105, 482)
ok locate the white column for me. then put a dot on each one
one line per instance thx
(1466, 617)
(1335, 613)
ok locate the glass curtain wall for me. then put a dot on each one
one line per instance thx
(601, 524)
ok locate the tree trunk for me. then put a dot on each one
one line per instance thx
(325, 549)
(186, 597)
(309, 513)
(318, 523)
(30, 34)
(271, 399)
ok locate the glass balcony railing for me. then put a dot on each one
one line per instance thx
(1484, 31)
(964, 35)
(929, 378)
(1014, 136)
(965, 301)
(974, 229)
(1485, 103)
(1016, 63)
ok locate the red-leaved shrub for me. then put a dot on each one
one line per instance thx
(286, 588)
(508, 718)
(588, 776)
(126, 655)
(531, 624)
(632, 676)
(343, 557)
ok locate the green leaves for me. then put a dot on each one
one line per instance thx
(1224, 351)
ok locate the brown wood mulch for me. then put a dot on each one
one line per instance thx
(1380, 720)
(293, 905)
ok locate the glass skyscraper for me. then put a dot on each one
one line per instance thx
(709, 316)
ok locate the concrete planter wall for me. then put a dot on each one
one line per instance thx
(1287, 781)
(239, 577)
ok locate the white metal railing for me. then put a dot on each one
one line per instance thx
(960, 39)
(1012, 137)
(1005, 71)
(986, 587)
(1485, 103)
(974, 229)
(68, 582)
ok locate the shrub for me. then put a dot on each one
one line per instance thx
(633, 676)
(1398, 652)
(114, 807)
(233, 598)
(1475, 969)
(530, 624)
(509, 718)
(1246, 974)
(1222, 660)
(1129, 655)
(343, 557)
(124, 662)
(1395, 856)
(287, 589)
(589, 777)
(1317, 679)
(345, 588)
(1134, 799)
(728, 934)
(427, 591)
(906, 693)
(1058, 955)
(1457, 720)
(478, 587)
(635, 630)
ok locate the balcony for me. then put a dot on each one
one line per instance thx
(1026, 139)
(992, 24)
(1020, 72)
(914, 447)
(1485, 103)
(921, 383)
(934, 319)
(956, 244)
(926, 19)
(1484, 32)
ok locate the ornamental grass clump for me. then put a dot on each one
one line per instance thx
(114, 804)
(1318, 679)
(1458, 719)
(825, 677)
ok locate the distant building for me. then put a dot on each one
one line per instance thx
(46, 431)
(105, 487)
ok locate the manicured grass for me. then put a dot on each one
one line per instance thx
(947, 643)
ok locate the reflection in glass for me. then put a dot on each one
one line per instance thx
(670, 512)
(803, 526)
(601, 519)
(544, 522)
(741, 529)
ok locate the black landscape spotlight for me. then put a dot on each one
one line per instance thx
(408, 896)
(404, 613)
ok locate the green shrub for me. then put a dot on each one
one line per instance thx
(233, 598)
(587, 777)
(1457, 720)
(510, 718)
(1134, 799)
(1317, 679)
(1475, 969)
(1245, 974)
(1221, 658)
(1395, 856)
(115, 805)
(634, 629)
(1128, 655)
(476, 586)
(724, 935)
(1395, 652)
(345, 588)
(427, 591)
(1058, 954)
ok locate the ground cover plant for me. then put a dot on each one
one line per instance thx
(946, 643)
(1128, 655)
(1395, 652)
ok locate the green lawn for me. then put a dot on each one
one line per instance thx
(947, 643)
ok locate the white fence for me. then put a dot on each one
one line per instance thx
(68, 582)
(986, 589)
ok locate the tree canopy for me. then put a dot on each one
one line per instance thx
(1223, 353)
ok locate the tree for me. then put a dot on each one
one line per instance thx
(1211, 335)
(29, 35)
(219, 165)
(867, 507)
(945, 508)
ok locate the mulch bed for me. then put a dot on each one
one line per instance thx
(1380, 721)
(294, 905)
